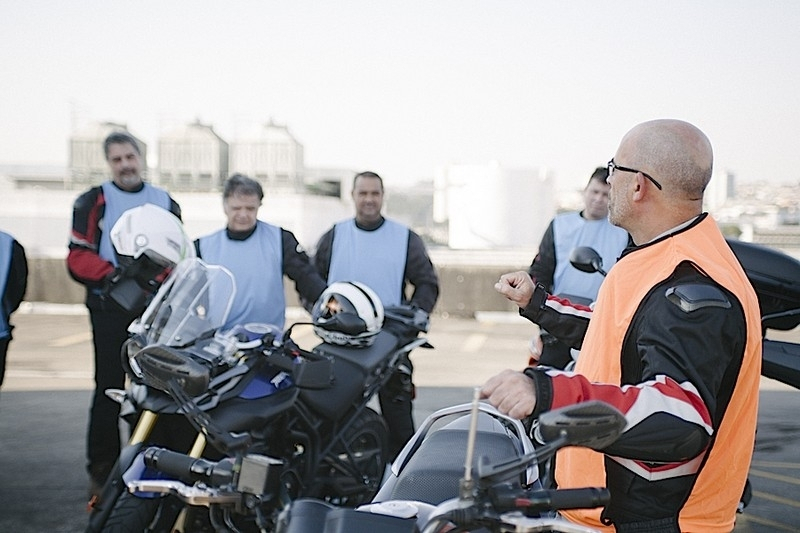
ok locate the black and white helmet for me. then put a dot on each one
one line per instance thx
(348, 313)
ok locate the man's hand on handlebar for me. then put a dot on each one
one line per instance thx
(512, 393)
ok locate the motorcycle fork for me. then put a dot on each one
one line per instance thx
(144, 426)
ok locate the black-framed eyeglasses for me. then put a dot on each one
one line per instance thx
(613, 166)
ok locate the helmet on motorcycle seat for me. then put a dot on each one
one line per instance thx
(348, 313)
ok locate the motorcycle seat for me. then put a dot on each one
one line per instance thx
(433, 473)
(369, 358)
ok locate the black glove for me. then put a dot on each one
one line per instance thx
(124, 290)
(145, 272)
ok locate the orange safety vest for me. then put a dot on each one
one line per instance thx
(711, 507)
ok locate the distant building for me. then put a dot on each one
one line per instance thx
(87, 161)
(192, 158)
(720, 190)
(32, 177)
(270, 155)
(489, 206)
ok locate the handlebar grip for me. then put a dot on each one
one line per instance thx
(585, 498)
(185, 467)
(508, 498)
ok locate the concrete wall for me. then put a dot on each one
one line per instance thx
(49, 281)
(464, 289)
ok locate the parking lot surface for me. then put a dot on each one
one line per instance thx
(45, 398)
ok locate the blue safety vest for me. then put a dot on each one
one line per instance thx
(376, 258)
(6, 249)
(119, 201)
(257, 267)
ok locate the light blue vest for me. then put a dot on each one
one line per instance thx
(6, 249)
(376, 258)
(119, 201)
(571, 230)
(257, 267)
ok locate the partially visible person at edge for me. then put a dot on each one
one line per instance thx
(13, 283)
(92, 262)
(674, 342)
(259, 255)
(552, 269)
(387, 256)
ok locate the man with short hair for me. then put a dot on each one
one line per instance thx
(259, 255)
(386, 256)
(674, 342)
(92, 262)
(551, 266)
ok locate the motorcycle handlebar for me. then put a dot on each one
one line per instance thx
(535, 501)
(187, 468)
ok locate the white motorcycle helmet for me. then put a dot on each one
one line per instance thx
(147, 240)
(348, 313)
(152, 231)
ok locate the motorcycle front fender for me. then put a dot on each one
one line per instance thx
(113, 488)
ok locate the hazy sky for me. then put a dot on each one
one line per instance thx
(402, 87)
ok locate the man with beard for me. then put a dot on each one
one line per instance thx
(673, 342)
(93, 262)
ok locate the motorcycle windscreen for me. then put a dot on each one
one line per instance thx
(194, 301)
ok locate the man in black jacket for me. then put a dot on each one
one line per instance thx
(259, 255)
(92, 262)
(551, 267)
(386, 256)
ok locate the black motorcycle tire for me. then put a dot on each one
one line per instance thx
(351, 474)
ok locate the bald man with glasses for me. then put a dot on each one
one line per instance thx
(673, 342)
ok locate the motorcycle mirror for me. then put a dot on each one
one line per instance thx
(586, 259)
(593, 424)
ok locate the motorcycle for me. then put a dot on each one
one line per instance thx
(411, 501)
(478, 472)
(282, 422)
(148, 241)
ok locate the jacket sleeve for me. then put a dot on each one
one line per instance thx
(421, 273)
(565, 320)
(322, 254)
(543, 267)
(297, 265)
(83, 260)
